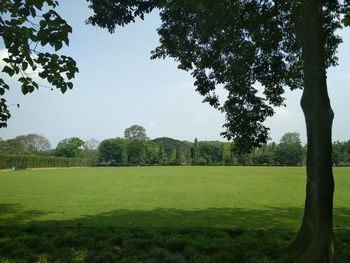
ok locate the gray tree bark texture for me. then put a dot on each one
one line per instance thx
(315, 241)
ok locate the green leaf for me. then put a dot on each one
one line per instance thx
(69, 29)
(70, 75)
(42, 23)
(66, 40)
(16, 69)
(42, 74)
(63, 89)
(32, 11)
(24, 65)
(43, 42)
(70, 85)
(50, 78)
(346, 21)
(31, 88)
(8, 70)
(23, 80)
(24, 89)
(58, 45)
(38, 4)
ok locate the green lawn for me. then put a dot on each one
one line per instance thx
(158, 214)
(249, 197)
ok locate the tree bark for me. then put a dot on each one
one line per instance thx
(315, 241)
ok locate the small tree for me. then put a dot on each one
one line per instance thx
(70, 148)
(264, 155)
(12, 146)
(34, 143)
(289, 151)
(113, 151)
(136, 152)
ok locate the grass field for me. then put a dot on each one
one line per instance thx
(248, 197)
(179, 205)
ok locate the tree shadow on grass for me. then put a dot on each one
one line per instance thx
(266, 217)
(158, 235)
(14, 214)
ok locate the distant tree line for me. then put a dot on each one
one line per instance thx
(136, 149)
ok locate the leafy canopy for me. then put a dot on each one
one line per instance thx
(26, 27)
(235, 44)
(34, 143)
(135, 132)
(289, 151)
(70, 148)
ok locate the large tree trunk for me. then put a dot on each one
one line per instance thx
(315, 241)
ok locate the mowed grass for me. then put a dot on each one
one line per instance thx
(225, 197)
(158, 214)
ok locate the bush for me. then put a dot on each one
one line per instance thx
(33, 161)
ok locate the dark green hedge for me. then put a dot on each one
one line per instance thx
(34, 161)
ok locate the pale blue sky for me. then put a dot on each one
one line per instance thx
(119, 86)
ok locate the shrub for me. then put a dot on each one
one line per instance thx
(8, 161)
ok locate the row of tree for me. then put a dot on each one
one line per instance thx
(137, 149)
(35, 144)
(25, 144)
(168, 151)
